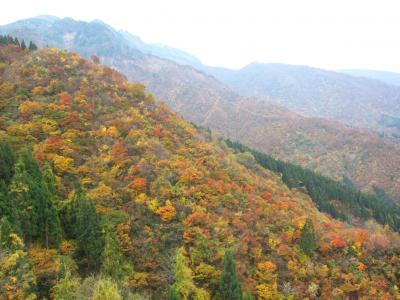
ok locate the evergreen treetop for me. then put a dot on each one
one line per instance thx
(230, 288)
(88, 231)
(308, 241)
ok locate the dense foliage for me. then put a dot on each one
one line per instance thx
(327, 192)
(139, 204)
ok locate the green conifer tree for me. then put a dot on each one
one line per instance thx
(23, 45)
(173, 295)
(9, 214)
(39, 218)
(5, 201)
(88, 233)
(50, 180)
(113, 262)
(8, 209)
(32, 46)
(7, 161)
(10, 40)
(307, 238)
(230, 288)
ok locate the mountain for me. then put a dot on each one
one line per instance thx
(107, 194)
(128, 54)
(82, 37)
(160, 50)
(79, 36)
(322, 145)
(326, 146)
(354, 101)
(391, 78)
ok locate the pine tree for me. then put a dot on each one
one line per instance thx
(30, 164)
(16, 42)
(230, 288)
(39, 218)
(6, 231)
(7, 161)
(8, 209)
(11, 40)
(23, 190)
(173, 295)
(52, 232)
(88, 232)
(5, 201)
(32, 46)
(23, 45)
(113, 263)
(50, 179)
(307, 238)
(9, 214)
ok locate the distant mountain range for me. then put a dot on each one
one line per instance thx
(384, 76)
(354, 101)
(219, 98)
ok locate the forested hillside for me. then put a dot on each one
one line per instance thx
(341, 200)
(322, 145)
(106, 194)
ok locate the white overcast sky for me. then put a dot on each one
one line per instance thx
(331, 34)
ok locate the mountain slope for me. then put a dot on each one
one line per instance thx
(82, 37)
(160, 50)
(385, 76)
(359, 102)
(321, 145)
(88, 38)
(158, 184)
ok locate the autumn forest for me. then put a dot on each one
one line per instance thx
(105, 193)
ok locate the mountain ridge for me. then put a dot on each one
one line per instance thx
(355, 101)
(388, 77)
(202, 99)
